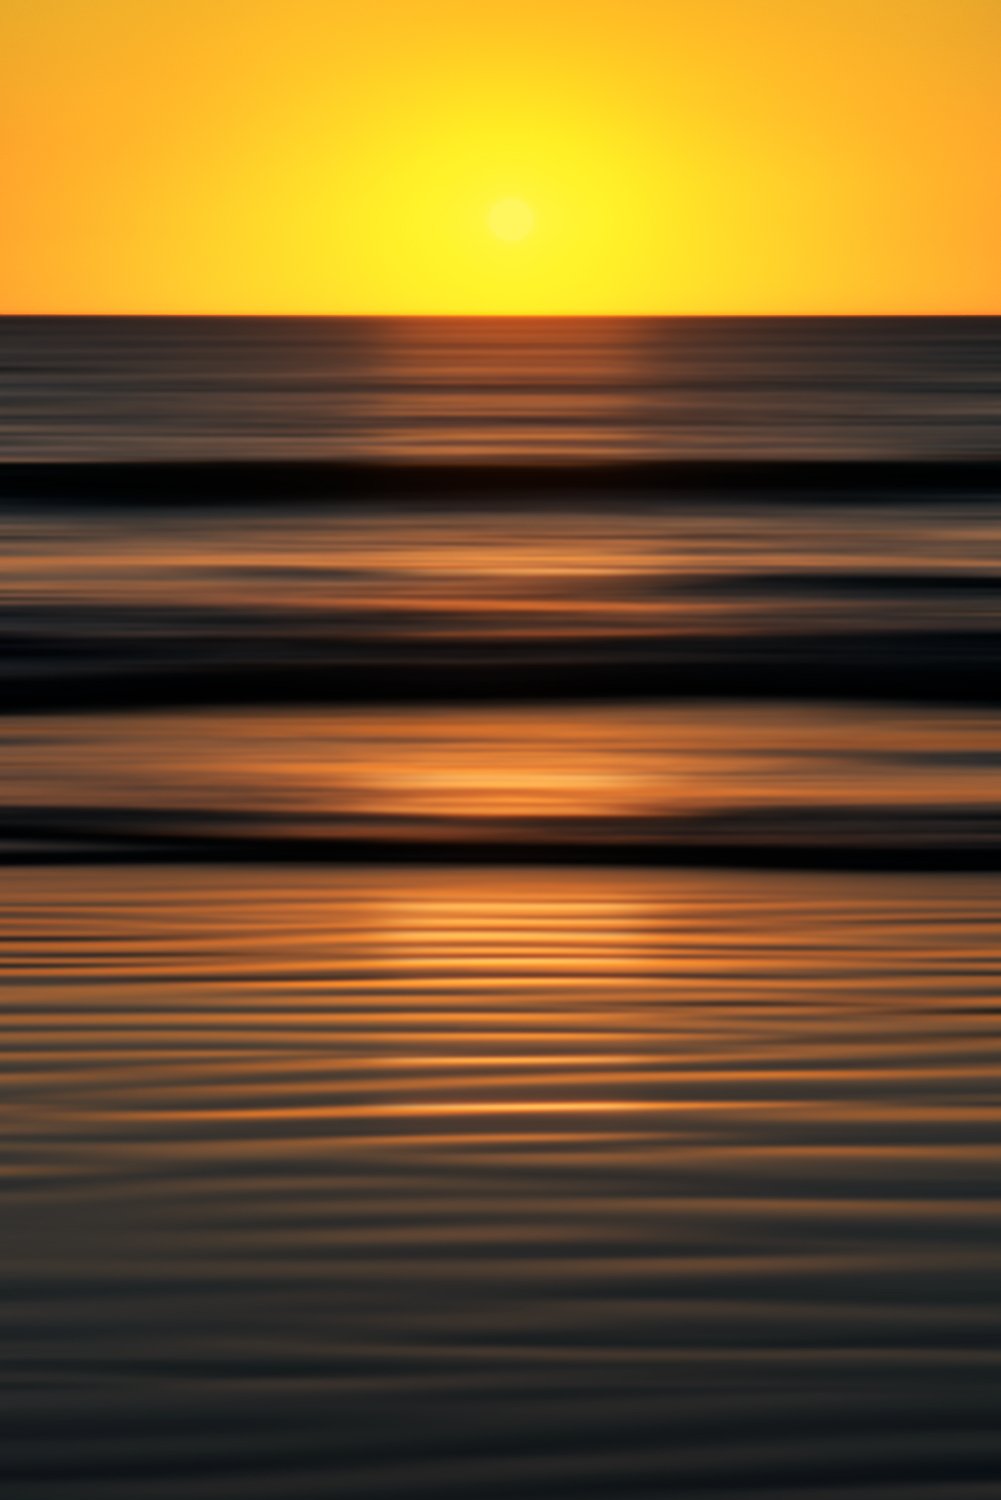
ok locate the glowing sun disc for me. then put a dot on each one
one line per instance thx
(511, 219)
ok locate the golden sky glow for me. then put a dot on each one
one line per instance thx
(670, 156)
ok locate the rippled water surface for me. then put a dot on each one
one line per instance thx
(393, 1184)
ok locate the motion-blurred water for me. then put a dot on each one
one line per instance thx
(488, 388)
(500, 833)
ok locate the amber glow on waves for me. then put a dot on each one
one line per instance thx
(527, 156)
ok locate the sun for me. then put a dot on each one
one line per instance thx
(511, 219)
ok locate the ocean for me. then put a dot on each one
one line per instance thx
(500, 900)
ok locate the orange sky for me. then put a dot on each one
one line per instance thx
(345, 156)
